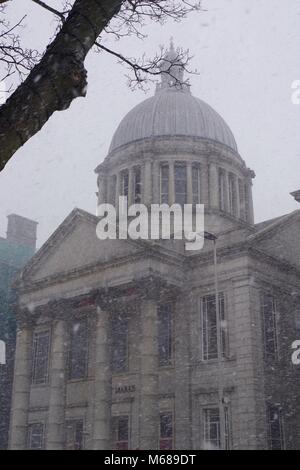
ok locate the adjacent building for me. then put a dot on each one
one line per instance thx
(15, 250)
(119, 345)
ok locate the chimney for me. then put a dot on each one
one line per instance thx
(21, 231)
(296, 195)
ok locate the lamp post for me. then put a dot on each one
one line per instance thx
(213, 238)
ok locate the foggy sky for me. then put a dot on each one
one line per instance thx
(247, 55)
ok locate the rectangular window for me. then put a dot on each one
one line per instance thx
(269, 326)
(212, 428)
(196, 184)
(275, 423)
(137, 186)
(209, 326)
(119, 343)
(165, 334)
(74, 437)
(78, 349)
(164, 184)
(166, 431)
(113, 189)
(221, 190)
(41, 351)
(125, 183)
(36, 436)
(212, 437)
(180, 184)
(120, 431)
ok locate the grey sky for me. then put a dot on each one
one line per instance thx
(247, 54)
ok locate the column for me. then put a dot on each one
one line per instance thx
(156, 182)
(189, 177)
(204, 186)
(131, 188)
(21, 389)
(149, 406)
(213, 185)
(237, 197)
(147, 186)
(249, 201)
(102, 196)
(102, 390)
(182, 418)
(227, 192)
(56, 416)
(171, 183)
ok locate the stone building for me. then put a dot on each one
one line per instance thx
(15, 250)
(119, 345)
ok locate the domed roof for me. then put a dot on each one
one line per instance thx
(173, 111)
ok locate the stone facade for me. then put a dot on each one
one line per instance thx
(147, 370)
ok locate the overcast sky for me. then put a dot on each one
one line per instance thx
(247, 54)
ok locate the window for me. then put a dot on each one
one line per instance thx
(137, 186)
(165, 334)
(125, 183)
(180, 184)
(164, 184)
(120, 431)
(221, 190)
(275, 423)
(166, 431)
(209, 326)
(269, 326)
(212, 428)
(119, 343)
(36, 436)
(78, 350)
(196, 184)
(74, 435)
(113, 189)
(41, 349)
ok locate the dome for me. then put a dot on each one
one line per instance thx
(172, 112)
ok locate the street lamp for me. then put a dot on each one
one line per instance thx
(213, 238)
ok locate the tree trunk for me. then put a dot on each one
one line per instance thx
(58, 79)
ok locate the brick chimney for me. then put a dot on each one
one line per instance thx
(21, 231)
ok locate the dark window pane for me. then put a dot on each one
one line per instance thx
(164, 184)
(269, 324)
(120, 432)
(275, 428)
(74, 434)
(41, 348)
(36, 436)
(180, 184)
(137, 186)
(209, 326)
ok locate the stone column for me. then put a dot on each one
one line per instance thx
(189, 177)
(171, 183)
(249, 201)
(21, 389)
(147, 186)
(226, 192)
(182, 417)
(102, 386)
(237, 197)
(131, 188)
(204, 185)
(213, 185)
(149, 406)
(156, 182)
(102, 189)
(56, 416)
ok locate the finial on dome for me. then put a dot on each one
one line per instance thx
(172, 71)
